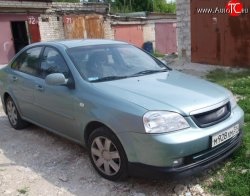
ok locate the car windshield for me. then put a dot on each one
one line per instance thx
(112, 62)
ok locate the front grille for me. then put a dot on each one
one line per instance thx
(212, 117)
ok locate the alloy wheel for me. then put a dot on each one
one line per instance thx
(12, 112)
(105, 155)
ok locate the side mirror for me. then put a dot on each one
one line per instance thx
(56, 79)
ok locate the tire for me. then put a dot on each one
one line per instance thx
(107, 155)
(13, 115)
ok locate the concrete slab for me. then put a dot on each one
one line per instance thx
(197, 69)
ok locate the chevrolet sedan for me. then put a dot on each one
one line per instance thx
(135, 115)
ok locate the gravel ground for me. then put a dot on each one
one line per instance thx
(36, 162)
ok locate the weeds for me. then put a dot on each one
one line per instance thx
(23, 190)
(236, 176)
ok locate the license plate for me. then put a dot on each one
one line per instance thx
(225, 135)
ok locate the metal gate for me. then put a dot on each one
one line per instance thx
(165, 38)
(218, 38)
(81, 26)
(33, 28)
(130, 33)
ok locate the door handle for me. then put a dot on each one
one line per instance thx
(39, 87)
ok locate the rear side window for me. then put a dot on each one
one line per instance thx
(28, 61)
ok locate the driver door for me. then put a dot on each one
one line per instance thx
(55, 104)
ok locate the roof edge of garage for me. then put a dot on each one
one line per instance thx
(24, 4)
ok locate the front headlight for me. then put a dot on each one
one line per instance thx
(162, 122)
(233, 102)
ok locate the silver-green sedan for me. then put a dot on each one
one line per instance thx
(135, 115)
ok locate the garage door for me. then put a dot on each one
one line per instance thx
(218, 38)
(165, 38)
(83, 26)
(132, 34)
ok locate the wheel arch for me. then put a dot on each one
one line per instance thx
(104, 131)
(91, 126)
(5, 97)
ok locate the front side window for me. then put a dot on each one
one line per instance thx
(116, 61)
(28, 61)
(53, 62)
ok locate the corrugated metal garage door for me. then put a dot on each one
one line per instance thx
(219, 38)
(132, 34)
(78, 27)
(165, 38)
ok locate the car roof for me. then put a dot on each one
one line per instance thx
(85, 42)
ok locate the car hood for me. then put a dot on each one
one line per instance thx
(171, 91)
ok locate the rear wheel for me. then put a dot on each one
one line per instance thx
(13, 115)
(107, 154)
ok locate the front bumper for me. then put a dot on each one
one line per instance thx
(159, 152)
(191, 165)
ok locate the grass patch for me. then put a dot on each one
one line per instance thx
(23, 190)
(236, 176)
(158, 54)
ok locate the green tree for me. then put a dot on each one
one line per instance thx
(143, 5)
(132, 5)
(162, 6)
(136, 5)
(70, 1)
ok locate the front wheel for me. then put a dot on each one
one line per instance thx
(13, 115)
(107, 154)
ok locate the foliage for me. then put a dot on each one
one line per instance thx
(136, 5)
(236, 174)
(70, 1)
(158, 54)
(132, 5)
(23, 190)
(162, 6)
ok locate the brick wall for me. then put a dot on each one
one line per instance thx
(80, 7)
(51, 27)
(51, 24)
(184, 29)
(149, 33)
(24, 4)
(108, 30)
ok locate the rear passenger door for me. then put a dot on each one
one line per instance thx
(23, 79)
(55, 104)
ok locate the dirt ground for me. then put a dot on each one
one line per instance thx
(36, 162)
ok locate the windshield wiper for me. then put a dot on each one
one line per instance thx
(146, 72)
(109, 78)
